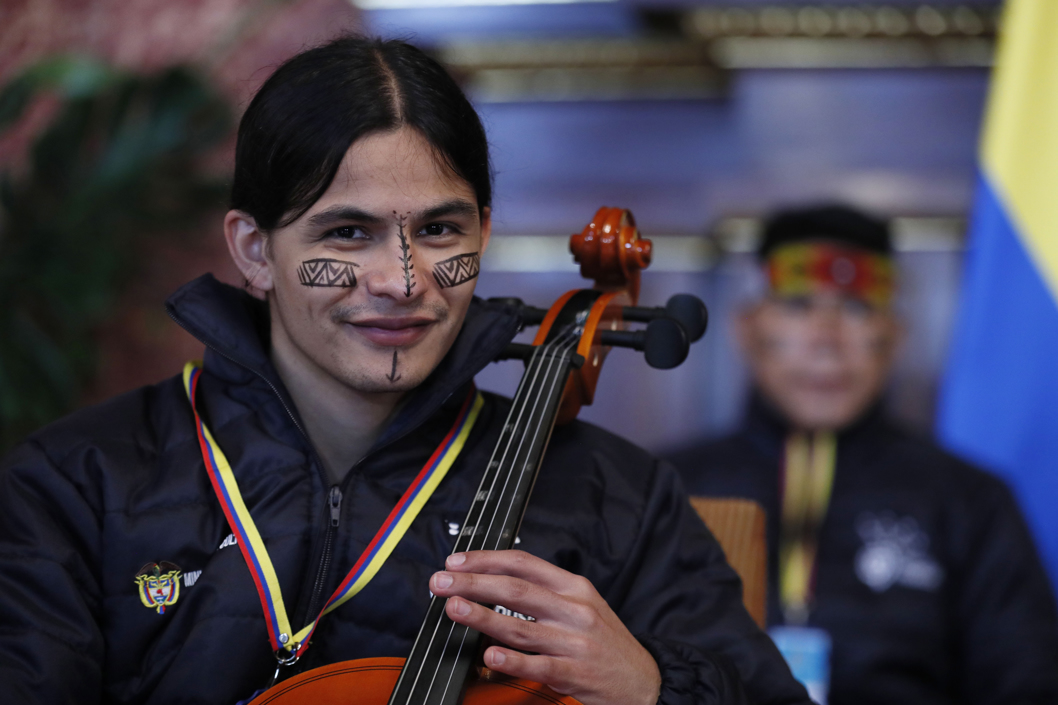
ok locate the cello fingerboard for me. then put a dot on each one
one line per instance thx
(435, 672)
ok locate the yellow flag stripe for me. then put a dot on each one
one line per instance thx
(1019, 151)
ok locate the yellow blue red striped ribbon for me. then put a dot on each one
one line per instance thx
(806, 481)
(367, 566)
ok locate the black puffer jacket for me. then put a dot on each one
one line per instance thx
(87, 502)
(927, 578)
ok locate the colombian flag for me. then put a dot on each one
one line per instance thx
(999, 399)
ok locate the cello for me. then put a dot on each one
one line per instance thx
(561, 375)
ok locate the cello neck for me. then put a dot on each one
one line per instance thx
(435, 672)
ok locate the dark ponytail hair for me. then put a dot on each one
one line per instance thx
(298, 127)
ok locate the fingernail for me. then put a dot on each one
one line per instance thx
(498, 657)
(442, 580)
(456, 559)
(462, 608)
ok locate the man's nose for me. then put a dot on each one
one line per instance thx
(826, 325)
(396, 271)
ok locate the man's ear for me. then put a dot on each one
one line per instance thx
(486, 228)
(247, 246)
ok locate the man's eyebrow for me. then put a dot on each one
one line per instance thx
(456, 206)
(337, 214)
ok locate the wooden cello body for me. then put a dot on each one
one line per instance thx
(562, 369)
(370, 681)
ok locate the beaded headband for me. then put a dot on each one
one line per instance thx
(805, 268)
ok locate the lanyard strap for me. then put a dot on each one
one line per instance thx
(807, 479)
(293, 645)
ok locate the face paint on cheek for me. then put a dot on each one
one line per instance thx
(457, 270)
(327, 272)
(393, 376)
(405, 257)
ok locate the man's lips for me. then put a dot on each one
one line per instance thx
(393, 332)
(825, 386)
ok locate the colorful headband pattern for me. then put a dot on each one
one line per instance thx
(805, 268)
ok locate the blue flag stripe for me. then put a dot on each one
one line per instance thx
(999, 400)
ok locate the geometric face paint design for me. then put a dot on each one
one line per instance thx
(457, 270)
(405, 257)
(327, 272)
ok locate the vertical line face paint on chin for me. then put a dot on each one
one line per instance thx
(327, 272)
(393, 376)
(457, 270)
(405, 248)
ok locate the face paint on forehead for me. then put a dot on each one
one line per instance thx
(405, 257)
(327, 272)
(457, 270)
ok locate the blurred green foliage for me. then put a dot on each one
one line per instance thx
(118, 164)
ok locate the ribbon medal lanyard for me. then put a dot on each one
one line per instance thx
(808, 476)
(807, 479)
(287, 644)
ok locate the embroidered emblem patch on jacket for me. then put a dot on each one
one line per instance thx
(159, 585)
(895, 552)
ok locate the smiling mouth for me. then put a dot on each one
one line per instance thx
(393, 332)
(835, 386)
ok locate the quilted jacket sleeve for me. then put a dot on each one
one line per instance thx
(51, 646)
(684, 603)
(689, 676)
(1005, 608)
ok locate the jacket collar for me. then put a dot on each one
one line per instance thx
(767, 429)
(234, 327)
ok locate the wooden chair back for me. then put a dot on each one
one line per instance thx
(739, 526)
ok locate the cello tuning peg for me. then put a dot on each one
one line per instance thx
(687, 310)
(516, 351)
(690, 312)
(531, 315)
(664, 342)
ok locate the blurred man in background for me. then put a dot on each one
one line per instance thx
(914, 570)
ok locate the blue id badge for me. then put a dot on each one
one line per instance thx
(807, 652)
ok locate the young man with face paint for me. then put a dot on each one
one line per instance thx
(173, 544)
(914, 570)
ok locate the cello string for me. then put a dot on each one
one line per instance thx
(519, 395)
(510, 429)
(524, 468)
(524, 390)
(465, 630)
(534, 394)
(540, 426)
(513, 431)
(540, 376)
(553, 377)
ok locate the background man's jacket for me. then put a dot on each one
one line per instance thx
(927, 579)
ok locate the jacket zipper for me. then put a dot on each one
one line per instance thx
(332, 528)
(334, 499)
(334, 505)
